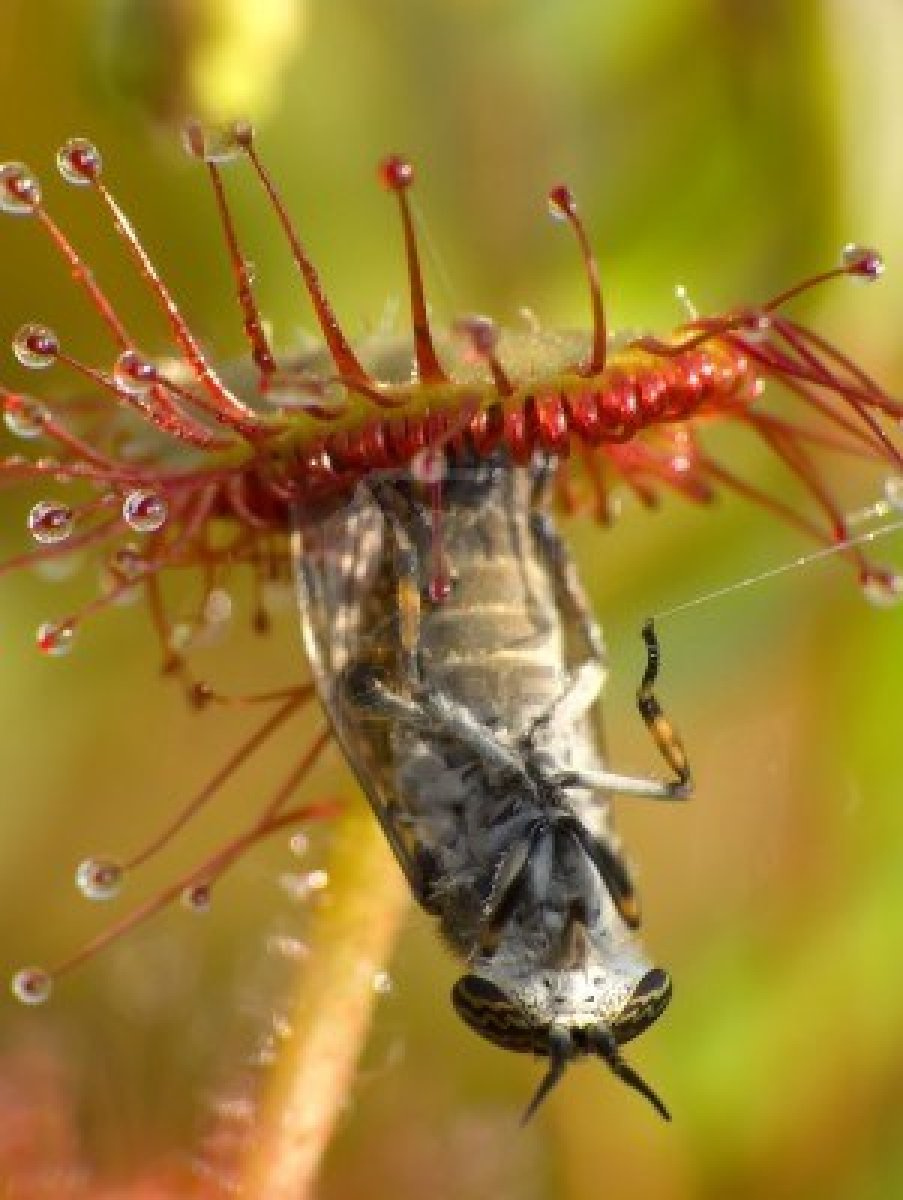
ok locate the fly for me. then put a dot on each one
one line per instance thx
(467, 715)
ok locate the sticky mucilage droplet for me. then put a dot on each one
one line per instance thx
(20, 192)
(32, 985)
(145, 512)
(35, 346)
(55, 638)
(24, 417)
(50, 522)
(99, 878)
(134, 374)
(79, 162)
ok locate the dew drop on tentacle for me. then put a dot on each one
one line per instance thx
(198, 898)
(217, 606)
(863, 262)
(20, 192)
(293, 949)
(134, 374)
(55, 638)
(99, 878)
(219, 146)
(893, 491)
(24, 417)
(883, 589)
(35, 346)
(127, 562)
(32, 985)
(79, 162)
(50, 522)
(145, 512)
(299, 844)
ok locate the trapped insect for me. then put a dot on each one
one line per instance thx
(363, 452)
(465, 710)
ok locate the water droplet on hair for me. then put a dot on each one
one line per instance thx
(281, 945)
(55, 639)
(134, 374)
(883, 589)
(20, 192)
(35, 346)
(50, 522)
(32, 985)
(145, 512)
(299, 844)
(893, 491)
(23, 417)
(79, 161)
(198, 898)
(99, 878)
(217, 606)
(863, 262)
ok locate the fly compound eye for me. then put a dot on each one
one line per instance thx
(646, 1004)
(488, 1011)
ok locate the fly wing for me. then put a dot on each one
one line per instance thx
(344, 566)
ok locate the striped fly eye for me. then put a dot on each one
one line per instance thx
(647, 1003)
(488, 1011)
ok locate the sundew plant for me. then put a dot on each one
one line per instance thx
(157, 463)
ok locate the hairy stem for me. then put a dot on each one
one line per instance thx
(351, 938)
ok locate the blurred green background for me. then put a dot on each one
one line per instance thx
(728, 145)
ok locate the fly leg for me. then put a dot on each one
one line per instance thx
(582, 692)
(663, 734)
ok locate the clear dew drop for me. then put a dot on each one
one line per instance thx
(128, 562)
(145, 512)
(35, 346)
(50, 522)
(863, 262)
(99, 878)
(893, 491)
(382, 983)
(24, 418)
(20, 192)
(217, 606)
(134, 374)
(198, 898)
(32, 985)
(293, 949)
(55, 639)
(79, 162)
(220, 146)
(883, 590)
(299, 844)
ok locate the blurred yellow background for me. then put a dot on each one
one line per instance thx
(728, 146)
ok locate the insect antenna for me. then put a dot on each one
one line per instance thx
(605, 1045)
(561, 1051)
